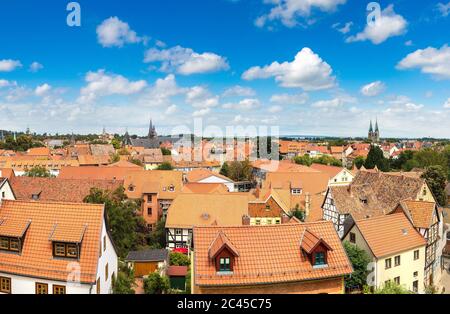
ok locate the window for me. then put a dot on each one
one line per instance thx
(41, 288)
(104, 243)
(416, 255)
(416, 286)
(171, 188)
(9, 244)
(267, 207)
(5, 285)
(59, 289)
(416, 274)
(65, 250)
(424, 192)
(388, 263)
(277, 221)
(149, 211)
(258, 221)
(224, 264)
(149, 199)
(319, 259)
(352, 237)
(3, 194)
(106, 272)
(397, 280)
(178, 232)
(296, 191)
(131, 188)
(397, 260)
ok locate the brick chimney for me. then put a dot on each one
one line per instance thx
(246, 220)
(307, 203)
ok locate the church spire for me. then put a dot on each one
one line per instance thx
(371, 126)
(151, 130)
(376, 126)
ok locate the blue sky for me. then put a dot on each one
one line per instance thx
(228, 62)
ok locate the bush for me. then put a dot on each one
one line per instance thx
(156, 284)
(179, 259)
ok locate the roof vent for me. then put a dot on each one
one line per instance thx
(205, 216)
(404, 231)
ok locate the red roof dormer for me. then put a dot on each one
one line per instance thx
(315, 248)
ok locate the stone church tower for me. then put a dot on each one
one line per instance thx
(374, 136)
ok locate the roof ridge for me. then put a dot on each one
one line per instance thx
(51, 203)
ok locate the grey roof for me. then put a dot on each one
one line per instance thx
(148, 255)
(152, 142)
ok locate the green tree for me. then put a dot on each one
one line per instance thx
(179, 259)
(165, 151)
(304, 160)
(225, 170)
(124, 283)
(359, 161)
(436, 179)
(137, 162)
(298, 213)
(158, 235)
(240, 171)
(156, 284)
(115, 158)
(165, 166)
(401, 163)
(38, 172)
(116, 143)
(359, 260)
(128, 229)
(376, 158)
(327, 160)
(429, 157)
(388, 288)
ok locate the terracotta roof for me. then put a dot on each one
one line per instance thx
(420, 212)
(14, 227)
(60, 190)
(90, 160)
(102, 149)
(201, 174)
(390, 234)
(154, 181)
(310, 241)
(190, 210)
(39, 151)
(68, 233)
(95, 173)
(374, 193)
(36, 258)
(280, 166)
(331, 171)
(311, 182)
(124, 164)
(204, 188)
(7, 173)
(268, 254)
(177, 271)
(219, 243)
(23, 164)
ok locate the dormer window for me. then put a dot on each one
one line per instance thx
(12, 235)
(9, 244)
(319, 259)
(35, 196)
(172, 188)
(223, 253)
(65, 250)
(315, 249)
(364, 201)
(224, 264)
(296, 191)
(131, 188)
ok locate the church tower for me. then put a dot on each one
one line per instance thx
(377, 132)
(152, 131)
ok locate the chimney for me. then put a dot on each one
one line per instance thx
(307, 204)
(246, 220)
(285, 219)
(257, 192)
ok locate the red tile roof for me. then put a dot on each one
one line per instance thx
(268, 254)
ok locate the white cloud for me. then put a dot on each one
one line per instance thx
(389, 24)
(185, 61)
(36, 67)
(288, 11)
(447, 104)
(409, 43)
(308, 71)
(275, 109)
(245, 104)
(344, 29)
(443, 8)
(112, 32)
(171, 109)
(8, 65)
(101, 83)
(402, 104)
(201, 97)
(430, 61)
(201, 113)
(289, 99)
(42, 90)
(239, 91)
(6, 83)
(240, 119)
(373, 89)
(336, 102)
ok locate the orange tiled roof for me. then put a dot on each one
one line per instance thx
(7, 173)
(39, 151)
(36, 258)
(311, 182)
(421, 212)
(200, 174)
(280, 166)
(204, 188)
(390, 234)
(59, 190)
(268, 254)
(124, 164)
(332, 171)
